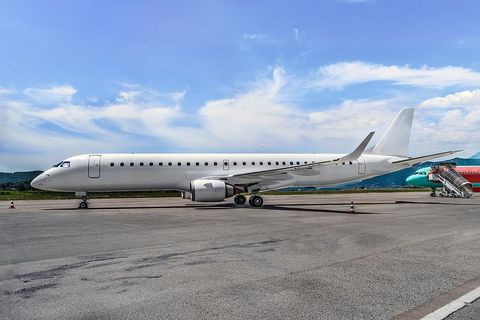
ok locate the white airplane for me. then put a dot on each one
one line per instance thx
(215, 177)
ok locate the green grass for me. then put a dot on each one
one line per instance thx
(47, 195)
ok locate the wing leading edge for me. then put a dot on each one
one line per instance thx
(282, 173)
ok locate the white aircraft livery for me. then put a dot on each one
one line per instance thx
(215, 177)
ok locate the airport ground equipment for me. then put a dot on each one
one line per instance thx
(454, 184)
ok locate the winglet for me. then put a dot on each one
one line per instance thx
(358, 151)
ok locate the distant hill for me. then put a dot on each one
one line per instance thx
(475, 156)
(8, 177)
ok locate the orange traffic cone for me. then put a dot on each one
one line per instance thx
(352, 208)
(12, 205)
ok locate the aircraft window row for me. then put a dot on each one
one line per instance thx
(235, 163)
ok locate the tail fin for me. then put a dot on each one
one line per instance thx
(395, 140)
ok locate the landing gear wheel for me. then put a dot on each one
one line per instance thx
(433, 194)
(255, 201)
(239, 199)
(83, 205)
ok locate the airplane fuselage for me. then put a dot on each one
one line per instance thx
(136, 172)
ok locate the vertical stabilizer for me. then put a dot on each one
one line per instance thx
(395, 140)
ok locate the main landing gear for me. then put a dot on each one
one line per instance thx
(239, 199)
(253, 201)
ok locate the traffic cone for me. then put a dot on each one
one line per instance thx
(12, 205)
(352, 208)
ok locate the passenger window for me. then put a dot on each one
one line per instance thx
(169, 164)
(277, 163)
(122, 164)
(151, 164)
(261, 163)
(269, 163)
(283, 162)
(141, 164)
(244, 163)
(291, 163)
(131, 164)
(304, 162)
(111, 164)
(188, 164)
(206, 164)
(160, 164)
(253, 163)
(215, 164)
(179, 164)
(197, 163)
(234, 163)
(225, 163)
(350, 162)
(298, 163)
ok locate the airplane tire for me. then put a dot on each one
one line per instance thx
(256, 201)
(239, 199)
(83, 205)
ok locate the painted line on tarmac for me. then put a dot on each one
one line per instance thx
(469, 290)
(453, 306)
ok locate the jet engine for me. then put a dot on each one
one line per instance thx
(210, 190)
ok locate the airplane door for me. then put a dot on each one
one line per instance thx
(94, 166)
(362, 166)
(225, 165)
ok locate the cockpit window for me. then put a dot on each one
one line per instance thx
(65, 164)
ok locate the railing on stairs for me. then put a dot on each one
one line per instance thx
(454, 184)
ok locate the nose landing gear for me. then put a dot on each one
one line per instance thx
(84, 202)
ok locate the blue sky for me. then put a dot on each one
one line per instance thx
(233, 76)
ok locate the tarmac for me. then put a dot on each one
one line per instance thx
(401, 255)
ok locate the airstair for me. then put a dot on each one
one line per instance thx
(454, 184)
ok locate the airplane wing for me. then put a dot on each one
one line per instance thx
(273, 176)
(418, 160)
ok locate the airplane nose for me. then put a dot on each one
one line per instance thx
(39, 181)
(409, 179)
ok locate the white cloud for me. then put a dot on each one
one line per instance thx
(340, 75)
(263, 118)
(6, 91)
(449, 121)
(461, 99)
(56, 94)
(253, 36)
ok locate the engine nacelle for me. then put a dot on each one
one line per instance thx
(210, 190)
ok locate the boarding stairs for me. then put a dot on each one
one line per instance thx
(454, 184)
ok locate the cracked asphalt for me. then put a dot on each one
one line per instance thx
(298, 257)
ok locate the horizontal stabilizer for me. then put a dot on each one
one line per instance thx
(418, 160)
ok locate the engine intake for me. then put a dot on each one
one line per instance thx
(210, 190)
